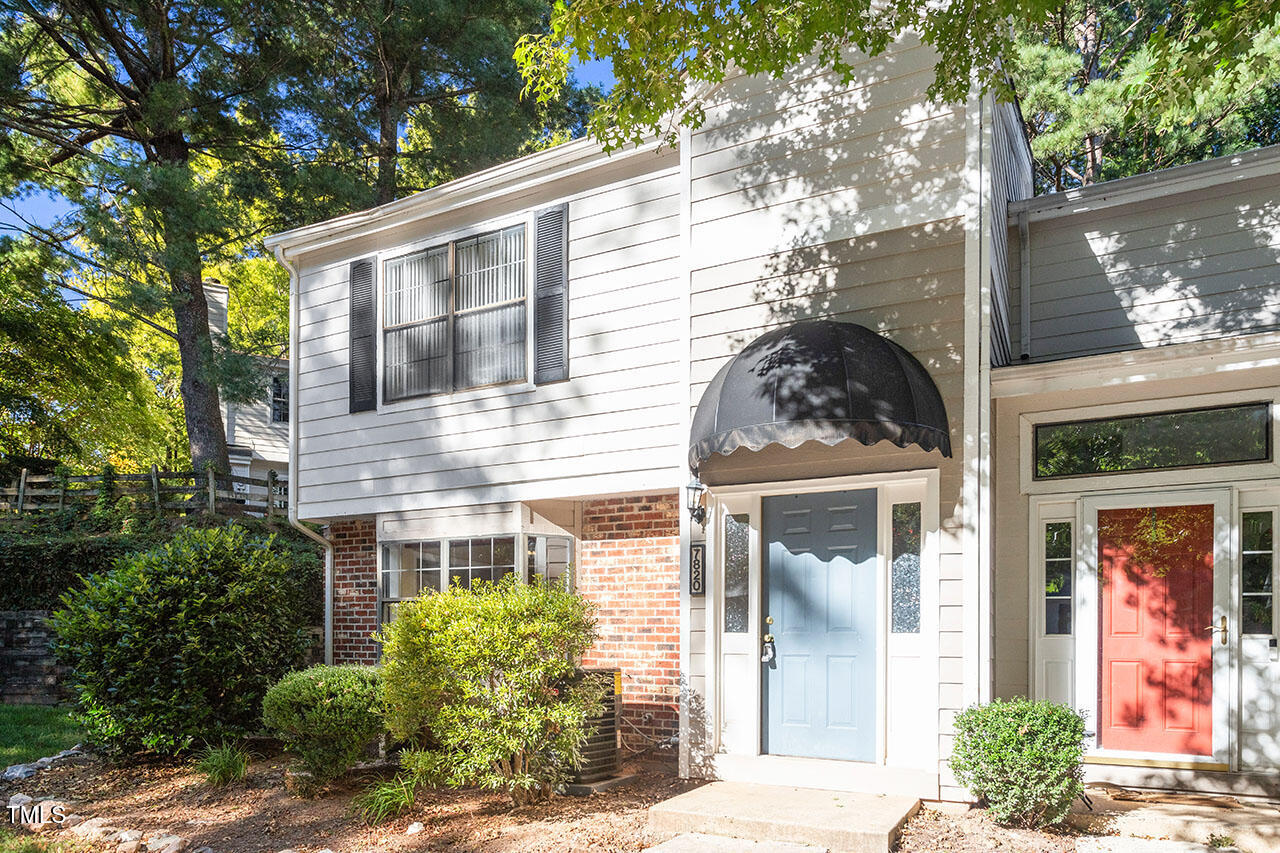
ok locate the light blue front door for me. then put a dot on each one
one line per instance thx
(820, 590)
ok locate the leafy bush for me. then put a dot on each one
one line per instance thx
(1023, 757)
(180, 644)
(222, 765)
(482, 681)
(44, 556)
(326, 715)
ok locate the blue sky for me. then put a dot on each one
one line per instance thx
(44, 208)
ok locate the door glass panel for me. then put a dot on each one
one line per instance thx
(1057, 577)
(737, 572)
(905, 573)
(1257, 584)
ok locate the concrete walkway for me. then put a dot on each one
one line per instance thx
(827, 820)
(1145, 845)
(1252, 826)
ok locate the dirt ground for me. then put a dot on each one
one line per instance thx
(258, 815)
(972, 831)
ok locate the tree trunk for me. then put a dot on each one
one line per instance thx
(388, 148)
(206, 434)
(1087, 42)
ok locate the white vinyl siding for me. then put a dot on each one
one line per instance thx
(252, 425)
(815, 198)
(1174, 269)
(614, 426)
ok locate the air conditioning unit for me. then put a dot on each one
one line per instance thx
(602, 753)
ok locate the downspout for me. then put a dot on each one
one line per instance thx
(294, 327)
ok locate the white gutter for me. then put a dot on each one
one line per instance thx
(293, 455)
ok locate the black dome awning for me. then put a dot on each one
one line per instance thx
(819, 380)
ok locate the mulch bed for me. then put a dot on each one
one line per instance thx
(258, 815)
(973, 831)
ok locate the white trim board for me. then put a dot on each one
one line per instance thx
(1260, 162)
(1174, 361)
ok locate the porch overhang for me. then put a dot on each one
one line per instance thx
(819, 380)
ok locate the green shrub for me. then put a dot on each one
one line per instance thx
(1022, 757)
(222, 765)
(326, 715)
(43, 556)
(482, 681)
(179, 644)
(382, 801)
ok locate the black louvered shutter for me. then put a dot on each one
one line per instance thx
(362, 390)
(551, 296)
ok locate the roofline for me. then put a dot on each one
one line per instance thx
(1257, 162)
(576, 156)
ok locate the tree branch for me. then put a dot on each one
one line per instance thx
(62, 282)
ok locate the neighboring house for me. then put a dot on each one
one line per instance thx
(257, 433)
(819, 301)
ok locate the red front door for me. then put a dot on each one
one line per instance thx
(1156, 589)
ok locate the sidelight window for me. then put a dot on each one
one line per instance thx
(1258, 573)
(1058, 570)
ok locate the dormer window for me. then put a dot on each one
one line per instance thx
(455, 316)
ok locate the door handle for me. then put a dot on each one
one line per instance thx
(1221, 626)
(768, 651)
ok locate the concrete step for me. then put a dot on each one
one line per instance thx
(834, 820)
(697, 842)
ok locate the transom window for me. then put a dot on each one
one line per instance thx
(455, 316)
(1258, 573)
(1224, 435)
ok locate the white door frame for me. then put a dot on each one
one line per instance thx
(734, 691)
(1225, 683)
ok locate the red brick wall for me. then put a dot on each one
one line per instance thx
(629, 565)
(355, 590)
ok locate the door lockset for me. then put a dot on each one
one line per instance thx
(768, 651)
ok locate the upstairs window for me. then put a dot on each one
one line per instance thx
(279, 400)
(455, 316)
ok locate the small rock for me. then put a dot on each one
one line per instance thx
(18, 800)
(414, 828)
(166, 844)
(204, 849)
(51, 811)
(129, 835)
(129, 847)
(94, 829)
(72, 820)
(44, 763)
(17, 772)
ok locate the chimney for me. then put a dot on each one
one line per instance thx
(216, 296)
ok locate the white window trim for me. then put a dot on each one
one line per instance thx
(1207, 474)
(402, 250)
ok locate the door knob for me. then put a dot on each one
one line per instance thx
(1221, 626)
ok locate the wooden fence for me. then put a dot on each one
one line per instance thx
(167, 492)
